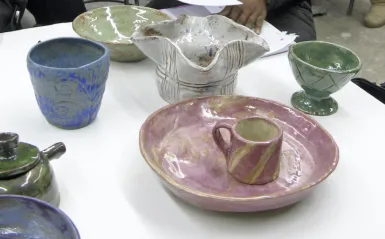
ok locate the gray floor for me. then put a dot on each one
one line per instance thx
(369, 44)
(338, 28)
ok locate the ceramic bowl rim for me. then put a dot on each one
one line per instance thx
(201, 194)
(104, 56)
(264, 44)
(130, 43)
(45, 204)
(354, 70)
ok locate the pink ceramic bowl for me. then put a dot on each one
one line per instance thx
(177, 143)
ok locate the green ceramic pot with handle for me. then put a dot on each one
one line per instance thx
(321, 69)
(26, 171)
(113, 27)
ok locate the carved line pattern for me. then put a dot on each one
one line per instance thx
(66, 108)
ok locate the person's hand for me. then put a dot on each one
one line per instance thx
(251, 13)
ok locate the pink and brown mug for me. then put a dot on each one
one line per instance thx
(254, 150)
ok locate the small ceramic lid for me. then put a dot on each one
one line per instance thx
(16, 158)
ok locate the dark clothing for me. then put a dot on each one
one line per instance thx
(162, 4)
(293, 16)
(48, 12)
(11, 12)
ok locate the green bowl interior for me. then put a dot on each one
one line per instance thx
(115, 24)
(326, 56)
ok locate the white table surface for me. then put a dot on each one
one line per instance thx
(109, 191)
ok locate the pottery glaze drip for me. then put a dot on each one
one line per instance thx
(198, 56)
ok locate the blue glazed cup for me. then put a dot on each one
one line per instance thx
(69, 77)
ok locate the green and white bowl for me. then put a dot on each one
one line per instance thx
(321, 69)
(113, 27)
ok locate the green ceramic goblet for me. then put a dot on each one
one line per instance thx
(321, 68)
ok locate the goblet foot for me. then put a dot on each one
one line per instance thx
(313, 106)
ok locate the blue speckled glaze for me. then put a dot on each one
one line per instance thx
(29, 218)
(69, 77)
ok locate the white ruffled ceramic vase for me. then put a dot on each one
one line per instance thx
(198, 56)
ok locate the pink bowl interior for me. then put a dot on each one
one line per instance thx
(177, 143)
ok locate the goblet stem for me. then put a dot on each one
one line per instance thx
(314, 105)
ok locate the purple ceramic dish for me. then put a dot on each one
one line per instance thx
(177, 144)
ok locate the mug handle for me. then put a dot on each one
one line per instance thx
(217, 136)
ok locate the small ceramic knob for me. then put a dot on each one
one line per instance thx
(8, 143)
